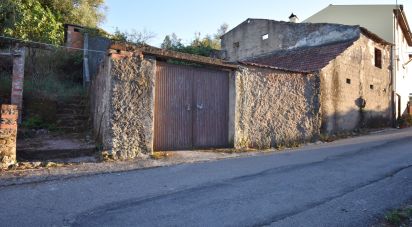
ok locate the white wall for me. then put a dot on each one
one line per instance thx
(403, 85)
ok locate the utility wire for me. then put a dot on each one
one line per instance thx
(51, 45)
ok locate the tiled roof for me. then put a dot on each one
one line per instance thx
(305, 59)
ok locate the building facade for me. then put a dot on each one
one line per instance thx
(388, 22)
(351, 63)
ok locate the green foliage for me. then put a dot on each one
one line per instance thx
(53, 88)
(134, 36)
(42, 20)
(5, 86)
(88, 13)
(204, 46)
(60, 80)
(29, 20)
(397, 217)
(36, 122)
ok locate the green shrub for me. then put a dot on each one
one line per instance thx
(36, 122)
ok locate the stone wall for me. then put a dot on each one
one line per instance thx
(123, 105)
(8, 135)
(351, 78)
(275, 108)
(245, 40)
(100, 104)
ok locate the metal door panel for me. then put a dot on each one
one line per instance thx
(211, 102)
(173, 108)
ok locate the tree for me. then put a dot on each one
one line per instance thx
(172, 42)
(204, 46)
(88, 13)
(28, 20)
(134, 36)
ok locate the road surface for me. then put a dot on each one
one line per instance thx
(350, 182)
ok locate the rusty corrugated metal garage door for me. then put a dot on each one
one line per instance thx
(191, 107)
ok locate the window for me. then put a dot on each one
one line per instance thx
(378, 58)
(371, 86)
(76, 30)
(265, 36)
(236, 45)
(348, 81)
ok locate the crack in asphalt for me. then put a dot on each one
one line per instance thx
(283, 169)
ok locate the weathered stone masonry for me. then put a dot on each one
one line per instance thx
(275, 108)
(8, 135)
(123, 106)
(353, 76)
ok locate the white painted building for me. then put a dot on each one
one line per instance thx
(390, 23)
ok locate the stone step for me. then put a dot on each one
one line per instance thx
(72, 106)
(72, 117)
(43, 155)
(71, 122)
(72, 111)
(73, 129)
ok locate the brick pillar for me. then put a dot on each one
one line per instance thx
(8, 134)
(18, 79)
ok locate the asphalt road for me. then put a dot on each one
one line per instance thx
(350, 182)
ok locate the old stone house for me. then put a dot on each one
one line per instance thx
(390, 23)
(350, 66)
(147, 99)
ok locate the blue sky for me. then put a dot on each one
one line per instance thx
(185, 17)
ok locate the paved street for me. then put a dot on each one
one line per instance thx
(349, 182)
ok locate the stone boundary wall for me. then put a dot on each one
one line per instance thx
(275, 108)
(8, 134)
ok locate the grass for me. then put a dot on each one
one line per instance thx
(400, 217)
(53, 88)
(36, 122)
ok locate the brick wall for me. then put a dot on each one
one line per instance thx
(74, 37)
(8, 135)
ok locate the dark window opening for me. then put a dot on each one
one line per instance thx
(236, 45)
(348, 81)
(77, 30)
(371, 86)
(378, 58)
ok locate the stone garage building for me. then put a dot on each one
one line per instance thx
(146, 99)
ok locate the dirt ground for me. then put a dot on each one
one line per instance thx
(46, 171)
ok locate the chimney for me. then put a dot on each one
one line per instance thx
(293, 18)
